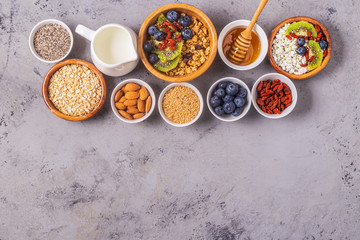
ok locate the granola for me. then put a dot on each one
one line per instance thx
(195, 51)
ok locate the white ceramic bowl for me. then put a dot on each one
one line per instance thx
(282, 78)
(36, 28)
(263, 42)
(141, 83)
(229, 117)
(161, 97)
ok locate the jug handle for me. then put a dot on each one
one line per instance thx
(85, 32)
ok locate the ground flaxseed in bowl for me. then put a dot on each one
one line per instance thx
(181, 104)
(52, 42)
(75, 90)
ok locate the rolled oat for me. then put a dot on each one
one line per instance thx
(75, 90)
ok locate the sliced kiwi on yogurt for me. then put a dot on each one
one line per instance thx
(167, 65)
(167, 54)
(300, 29)
(314, 50)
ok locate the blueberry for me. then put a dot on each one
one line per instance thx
(232, 89)
(300, 41)
(152, 30)
(148, 47)
(159, 36)
(153, 58)
(229, 107)
(185, 21)
(239, 102)
(242, 92)
(220, 92)
(219, 110)
(186, 33)
(237, 112)
(323, 44)
(228, 98)
(223, 84)
(301, 50)
(172, 16)
(215, 101)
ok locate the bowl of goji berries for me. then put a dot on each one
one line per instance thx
(274, 95)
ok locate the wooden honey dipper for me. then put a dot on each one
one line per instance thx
(241, 45)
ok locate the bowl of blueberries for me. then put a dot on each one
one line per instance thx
(229, 99)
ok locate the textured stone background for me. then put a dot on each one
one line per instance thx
(294, 178)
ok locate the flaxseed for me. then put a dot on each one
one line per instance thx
(181, 104)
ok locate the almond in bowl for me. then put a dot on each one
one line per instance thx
(133, 101)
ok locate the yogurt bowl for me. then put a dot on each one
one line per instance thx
(263, 42)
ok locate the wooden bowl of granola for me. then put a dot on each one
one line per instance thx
(197, 53)
(273, 42)
(74, 90)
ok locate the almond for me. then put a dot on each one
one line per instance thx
(131, 87)
(143, 93)
(148, 104)
(132, 110)
(118, 95)
(141, 105)
(132, 95)
(120, 106)
(122, 99)
(130, 102)
(138, 115)
(125, 114)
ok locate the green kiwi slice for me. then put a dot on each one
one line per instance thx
(167, 66)
(300, 29)
(168, 54)
(160, 21)
(314, 50)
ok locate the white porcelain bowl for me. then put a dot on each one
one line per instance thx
(229, 117)
(263, 42)
(282, 78)
(161, 97)
(36, 28)
(141, 83)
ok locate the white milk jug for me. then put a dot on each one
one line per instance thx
(113, 48)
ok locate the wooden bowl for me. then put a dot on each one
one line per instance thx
(308, 74)
(50, 105)
(191, 11)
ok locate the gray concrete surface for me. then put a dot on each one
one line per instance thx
(294, 178)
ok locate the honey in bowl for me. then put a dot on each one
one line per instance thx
(254, 48)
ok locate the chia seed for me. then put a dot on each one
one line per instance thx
(52, 41)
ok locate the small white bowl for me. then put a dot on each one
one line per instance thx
(282, 78)
(36, 28)
(263, 42)
(161, 97)
(229, 117)
(141, 83)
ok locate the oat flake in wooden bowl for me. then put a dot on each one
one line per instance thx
(180, 104)
(74, 90)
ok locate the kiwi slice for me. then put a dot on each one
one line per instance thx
(300, 29)
(168, 54)
(168, 65)
(314, 50)
(160, 21)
